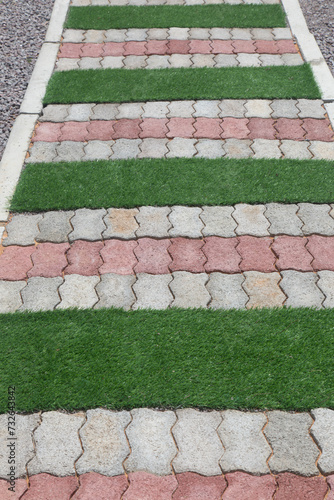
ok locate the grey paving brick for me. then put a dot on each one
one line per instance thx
(226, 291)
(292, 59)
(293, 448)
(282, 33)
(263, 290)
(73, 36)
(78, 291)
(220, 34)
(54, 113)
(136, 34)
(232, 107)
(57, 444)
(157, 34)
(186, 222)
(189, 290)
(249, 60)
(130, 110)
(79, 112)
(153, 221)
(311, 108)
(301, 289)
(121, 223)
(179, 147)
(67, 64)
(112, 62)
(283, 219)
(218, 221)
(322, 150)
(237, 148)
(55, 226)
(157, 62)
(105, 111)
(134, 62)
(70, 151)
(180, 60)
(326, 285)
(42, 152)
(265, 148)
(322, 431)
(90, 63)
(245, 447)
(199, 447)
(126, 148)
(296, 149)
(284, 108)
(251, 220)
(22, 229)
(158, 109)
(115, 35)
(210, 148)
(104, 442)
(182, 109)
(258, 108)
(152, 291)
(316, 219)
(94, 36)
(115, 290)
(87, 224)
(24, 451)
(262, 34)
(225, 60)
(271, 60)
(97, 150)
(199, 33)
(151, 441)
(153, 148)
(10, 298)
(41, 294)
(209, 109)
(178, 33)
(241, 34)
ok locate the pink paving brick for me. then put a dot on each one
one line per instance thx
(70, 50)
(157, 47)
(235, 128)
(192, 486)
(243, 46)
(46, 487)
(256, 254)
(20, 488)
(154, 127)
(49, 260)
(290, 128)
(291, 486)
(178, 47)
(118, 257)
(15, 262)
(200, 47)
(242, 486)
(318, 130)
(208, 128)
(98, 487)
(286, 47)
(322, 249)
(48, 132)
(113, 49)
(135, 48)
(153, 256)
(84, 258)
(261, 128)
(222, 47)
(74, 131)
(92, 49)
(266, 47)
(101, 130)
(181, 127)
(187, 255)
(144, 486)
(330, 482)
(292, 253)
(221, 254)
(127, 128)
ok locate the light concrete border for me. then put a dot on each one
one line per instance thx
(309, 49)
(31, 107)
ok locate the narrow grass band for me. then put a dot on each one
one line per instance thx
(175, 181)
(216, 359)
(167, 16)
(120, 85)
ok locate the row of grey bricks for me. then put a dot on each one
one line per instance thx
(162, 442)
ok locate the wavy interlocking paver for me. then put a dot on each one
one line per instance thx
(292, 253)
(263, 289)
(152, 292)
(78, 291)
(93, 485)
(83, 258)
(321, 430)
(189, 290)
(301, 289)
(115, 290)
(321, 248)
(153, 256)
(49, 259)
(120, 223)
(55, 227)
(250, 219)
(187, 255)
(290, 486)
(15, 262)
(197, 487)
(43, 486)
(143, 485)
(241, 485)
(118, 257)
(326, 285)
(153, 221)
(186, 222)
(40, 294)
(222, 255)
(316, 219)
(226, 291)
(252, 249)
(22, 230)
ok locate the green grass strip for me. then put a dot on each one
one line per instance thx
(167, 16)
(271, 358)
(175, 181)
(119, 85)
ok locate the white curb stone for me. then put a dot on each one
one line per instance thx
(57, 20)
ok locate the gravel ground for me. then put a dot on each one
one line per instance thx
(23, 25)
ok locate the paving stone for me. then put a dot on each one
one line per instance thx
(79, 112)
(101, 131)
(130, 110)
(126, 129)
(115, 290)
(186, 222)
(152, 291)
(87, 224)
(220, 34)
(10, 298)
(118, 257)
(256, 254)
(98, 150)
(264, 148)
(258, 108)
(181, 109)
(271, 60)
(282, 33)
(112, 62)
(55, 112)
(226, 291)
(249, 60)
(218, 221)
(44, 486)
(105, 111)
(157, 62)
(296, 149)
(247, 487)
(74, 131)
(84, 258)
(322, 431)
(41, 294)
(241, 34)
(263, 289)
(284, 108)
(78, 291)
(330, 482)
(189, 290)
(93, 485)
(225, 60)
(207, 148)
(283, 219)
(157, 34)
(153, 221)
(307, 488)
(49, 260)
(316, 219)
(197, 487)
(180, 60)
(20, 487)
(15, 262)
(208, 109)
(311, 108)
(203, 60)
(157, 109)
(180, 127)
(236, 148)
(322, 249)
(22, 230)
(200, 47)
(318, 129)
(151, 442)
(121, 223)
(153, 148)
(262, 34)
(73, 36)
(55, 227)
(293, 448)
(115, 35)
(42, 152)
(199, 33)
(153, 256)
(144, 485)
(155, 128)
(322, 150)
(233, 107)
(301, 289)
(134, 62)
(67, 64)
(135, 34)
(57, 444)
(251, 220)
(187, 255)
(262, 128)
(178, 33)
(48, 132)
(288, 128)
(221, 255)
(126, 148)
(179, 147)
(292, 253)
(69, 151)
(208, 128)
(326, 285)
(94, 36)
(292, 59)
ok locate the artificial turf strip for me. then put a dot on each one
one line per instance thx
(166, 16)
(175, 181)
(270, 358)
(119, 85)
